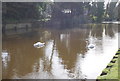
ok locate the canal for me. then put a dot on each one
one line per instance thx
(65, 55)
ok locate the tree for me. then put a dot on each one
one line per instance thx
(110, 11)
(100, 11)
(22, 10)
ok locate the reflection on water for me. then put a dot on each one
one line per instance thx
(65, 55)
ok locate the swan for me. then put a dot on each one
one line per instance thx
(39, 45)
(4, 56)
(91, 46)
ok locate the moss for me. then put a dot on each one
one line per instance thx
(118, 52)
(116, 56)
(110, 64)
(113, 72)
(114, 59)
(105, 70)
(119, 68)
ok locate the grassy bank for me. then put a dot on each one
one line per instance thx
(111, 71)
(119, 67)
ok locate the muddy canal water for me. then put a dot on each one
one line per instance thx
(71, 53)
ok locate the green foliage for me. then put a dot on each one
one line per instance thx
(97, 11)
(100, 11)
(94, 18)
(40, 10)
(22, 10)
(110, 11)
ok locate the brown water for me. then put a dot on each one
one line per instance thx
(65, 55)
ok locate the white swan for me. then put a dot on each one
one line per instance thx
(91, 46)
(5, 56)
(39, 45)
